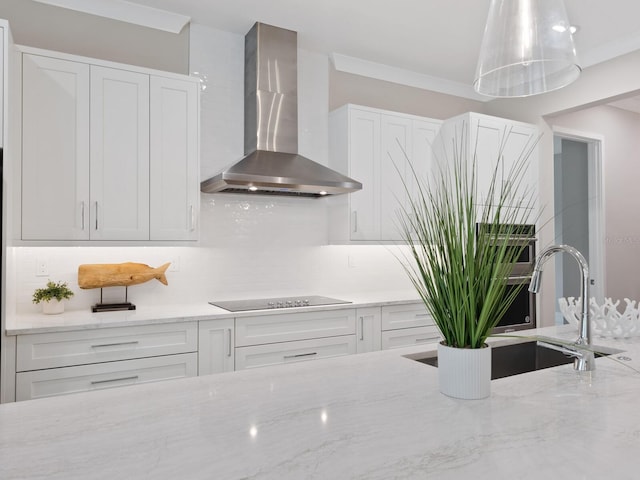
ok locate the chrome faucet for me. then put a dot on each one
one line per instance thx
(585, 361)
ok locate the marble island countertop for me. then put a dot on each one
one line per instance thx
(369, 416)
(147, 314)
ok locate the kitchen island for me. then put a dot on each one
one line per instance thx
(377, 415)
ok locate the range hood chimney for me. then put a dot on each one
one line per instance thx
(272, 164)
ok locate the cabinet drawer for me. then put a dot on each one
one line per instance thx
(84, 378)
(405, 316)
(288, 352)
(62, 349)
(259, 330)
(406, 337)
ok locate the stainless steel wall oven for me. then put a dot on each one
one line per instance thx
(522, 313)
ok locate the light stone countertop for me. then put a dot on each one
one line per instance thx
(144, 314)
(368, 416)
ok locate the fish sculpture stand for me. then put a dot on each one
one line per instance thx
(100, 275)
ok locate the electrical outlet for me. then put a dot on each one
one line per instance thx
(351, 261)
(175, 265)
(42, 269)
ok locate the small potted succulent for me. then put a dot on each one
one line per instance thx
(52, 297)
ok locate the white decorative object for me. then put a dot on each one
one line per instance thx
(53, 306)
(464, 372)
(606, 320)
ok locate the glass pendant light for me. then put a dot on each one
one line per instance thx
(527, 49)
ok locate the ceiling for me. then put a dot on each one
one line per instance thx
(428, 43)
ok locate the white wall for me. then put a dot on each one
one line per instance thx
(250, 245)
(371, 92)
(64, 30)
(620, 130)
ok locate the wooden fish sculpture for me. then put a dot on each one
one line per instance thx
(97, 275)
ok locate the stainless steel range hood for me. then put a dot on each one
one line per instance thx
(272, 164)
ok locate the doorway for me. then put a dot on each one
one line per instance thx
(578, 211)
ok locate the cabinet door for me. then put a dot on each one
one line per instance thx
(424, 137)
(85, 378)
(405, 316)
(407, 337)
(520, 153)
(292, 352)
(55, 149)
(364, 158)
(485, 140)
(174, 159)
(119, 154)
(368, 329)
(62, 349)
(215, 351)
(395, 156)
(260, 329)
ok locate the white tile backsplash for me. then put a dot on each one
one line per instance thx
(207, 273)
(249, 245)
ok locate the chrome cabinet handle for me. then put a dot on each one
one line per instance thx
(355, 221)
(229, 343)
(361, 328)
(192, 218)
(96, 215)
(301, 355)
(101, 345)
(121, 379)
(422, 315)
(82, 213)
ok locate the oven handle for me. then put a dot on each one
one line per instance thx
(519, 278)
(516, 238)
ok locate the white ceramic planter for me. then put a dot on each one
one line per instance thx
(464, 372)
(53, 307)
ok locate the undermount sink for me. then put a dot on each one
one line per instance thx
(518, 358)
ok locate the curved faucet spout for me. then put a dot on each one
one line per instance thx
(587, 362)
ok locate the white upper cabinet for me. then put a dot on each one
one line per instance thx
(108, 152)
(174, 159)
(364, 166)
(379, 149)
(119, 155)
(55, 149)
(397, 152)
(499, 146)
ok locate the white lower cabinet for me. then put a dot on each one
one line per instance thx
(60, 363)
(298, 351)
(63, 349)
(283, 327)
(84, 378)
(407, 324)
(293, 337)
(368, 329)
(405, 316)
(216, 346)
(406, 337)
(78, 361)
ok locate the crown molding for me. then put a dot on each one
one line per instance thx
(357, 66)
(126, 12)
(610, 50)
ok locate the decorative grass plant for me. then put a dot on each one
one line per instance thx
(460, 276)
